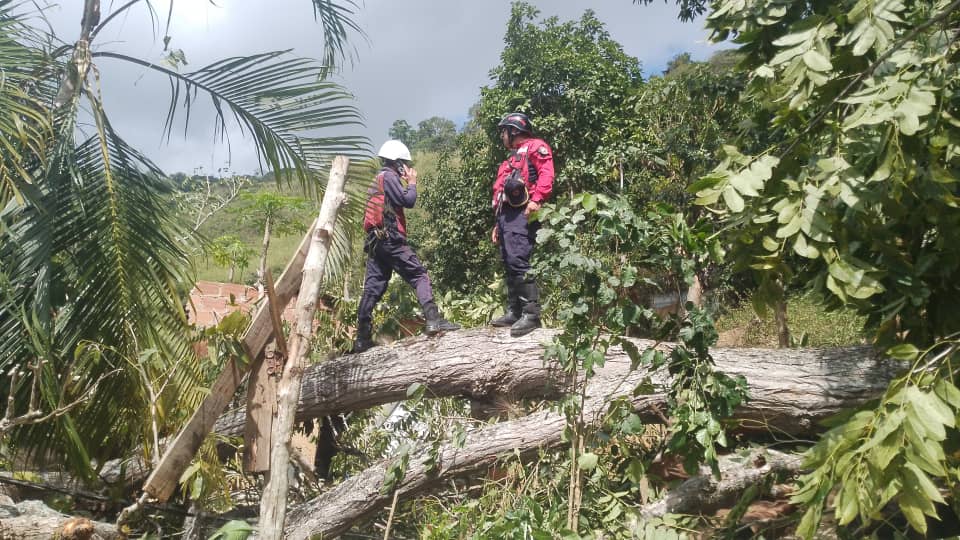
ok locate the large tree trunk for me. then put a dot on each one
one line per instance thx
(33, 520)
(790, 391)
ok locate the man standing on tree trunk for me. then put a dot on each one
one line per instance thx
(386, 244)
(524, 182)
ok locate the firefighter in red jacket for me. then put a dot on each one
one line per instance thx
(386, 244)
(524, 182)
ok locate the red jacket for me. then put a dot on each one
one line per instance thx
(538, 156)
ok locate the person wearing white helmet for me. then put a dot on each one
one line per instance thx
(393, 190)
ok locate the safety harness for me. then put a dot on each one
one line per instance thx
(516, 188)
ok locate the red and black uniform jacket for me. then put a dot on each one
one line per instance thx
(534, 159)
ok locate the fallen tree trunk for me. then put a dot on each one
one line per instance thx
(704, 493)
(360, 495)
(33, 520)
(790, 390)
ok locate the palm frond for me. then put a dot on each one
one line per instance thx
(25, 123)
(282, 102)
(105, 251)
(336, 18)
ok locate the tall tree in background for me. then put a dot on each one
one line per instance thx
(273, 215)
(91, 254)
(572, 79)
(435, 134)
(229, 251)
(402, 131)
(676, 126)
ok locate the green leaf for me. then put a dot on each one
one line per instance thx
(234, 530)
(905, 351)
(910, 505)
(589, 202)
(847, 503)
(948, 392)
(930, 405)
(816, 61)
(791, 228)
(732, 199)
(918, 481)
(587, 461)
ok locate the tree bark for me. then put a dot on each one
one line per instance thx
(33, 520)
(273, 506)
(704, 493)
(262, 267)
(790, 391)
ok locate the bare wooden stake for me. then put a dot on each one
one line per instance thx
(273, 505)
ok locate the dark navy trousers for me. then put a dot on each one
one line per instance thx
(386, 257)
(517, 240)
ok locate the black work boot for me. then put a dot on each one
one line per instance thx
(364, 341)
(530, 320)
(507, 319)
(528, 323)
(436, 323)
(513, 309)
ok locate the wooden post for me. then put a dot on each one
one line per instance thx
(262, 390)
(163, 480)
(273, 505)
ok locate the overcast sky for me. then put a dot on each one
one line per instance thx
(421, 58)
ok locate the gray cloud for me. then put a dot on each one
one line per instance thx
(422, 58)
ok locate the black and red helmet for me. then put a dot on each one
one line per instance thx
(516, 120)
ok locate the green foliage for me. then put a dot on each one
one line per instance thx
(599, 251)
(676, 124)
(455, 238)
(273, 211)
(572, 79)
(859, 204)
(206, 480)
(899, 452)
(435, 134)
(863, 190)
(229, 251)
(234, 530)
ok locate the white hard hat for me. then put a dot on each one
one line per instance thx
(394, 150)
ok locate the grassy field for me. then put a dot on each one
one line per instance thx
(281, 247)
(742, 327)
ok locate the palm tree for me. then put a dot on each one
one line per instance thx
(91, 253)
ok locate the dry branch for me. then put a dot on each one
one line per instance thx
(704, 493)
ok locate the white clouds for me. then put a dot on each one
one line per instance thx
(422, 58)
